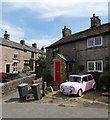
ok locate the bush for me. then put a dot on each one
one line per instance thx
(104, 81)
(47, 77)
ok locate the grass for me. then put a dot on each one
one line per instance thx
(58, 96)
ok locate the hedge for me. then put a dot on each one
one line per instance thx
(104, 80)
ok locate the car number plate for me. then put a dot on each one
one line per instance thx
(66, 92)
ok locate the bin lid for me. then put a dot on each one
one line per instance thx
(36, 84)
(23, 84)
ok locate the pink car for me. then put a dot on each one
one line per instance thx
(77, 84)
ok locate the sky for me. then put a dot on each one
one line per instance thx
(42, 21)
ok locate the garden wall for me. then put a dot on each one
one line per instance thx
(12, 85)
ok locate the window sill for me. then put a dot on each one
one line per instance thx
(15, 59)
(95, 47)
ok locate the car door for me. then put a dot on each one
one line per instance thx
(90, 82)
(85, 83)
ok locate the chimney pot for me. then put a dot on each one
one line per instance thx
(5, 32)
(34, 45)
(42, 48)
(22, 42)
(64, 26)
(6, 36)
(93, 14)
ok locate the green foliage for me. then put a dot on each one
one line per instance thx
(47, 77)
(104, 80)
(41, 60)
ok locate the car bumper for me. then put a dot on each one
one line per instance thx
(68, 92)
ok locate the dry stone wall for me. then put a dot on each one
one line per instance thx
(12, 85)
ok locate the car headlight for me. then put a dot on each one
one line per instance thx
(71, 87)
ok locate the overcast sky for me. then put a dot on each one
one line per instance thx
(42, 21)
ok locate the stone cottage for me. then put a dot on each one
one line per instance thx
(79, 53)
(15, 57)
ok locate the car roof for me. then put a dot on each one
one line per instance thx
(84, 75)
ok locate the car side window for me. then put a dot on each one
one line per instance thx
(85, 79)
(90, 78)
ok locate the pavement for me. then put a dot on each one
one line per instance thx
(54, 106)
(91, 96)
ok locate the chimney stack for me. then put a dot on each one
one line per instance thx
(95, 21)
(42, 48)
(66, 32)
(34, 45)
(6, 36)
(22, 42)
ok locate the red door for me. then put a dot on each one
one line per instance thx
(57, 71)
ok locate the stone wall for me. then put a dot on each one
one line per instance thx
(12, 85)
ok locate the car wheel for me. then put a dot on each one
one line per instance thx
(94, 87)
(80, 93)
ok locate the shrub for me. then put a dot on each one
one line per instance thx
(47, 77)
(3, 75)
(104, 80)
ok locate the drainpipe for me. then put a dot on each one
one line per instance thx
(67, 70)
(75, 55)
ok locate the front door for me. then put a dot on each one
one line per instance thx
(57, 71)
(7, 68)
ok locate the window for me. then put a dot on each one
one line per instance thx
(32, 55)
(91, 42)
(94, 41)
(98, 65)
(26, 62)
(85, 79)
(55, 51)
(98, 41)
(15, 55)
(91, 65)
(15, 66)
(90, 77)
(74, 79)
(95, 66)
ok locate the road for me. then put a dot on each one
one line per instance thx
(51, 110)
(12, 108)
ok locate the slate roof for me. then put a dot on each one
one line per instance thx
(102, 29)
(16, 45)
(67, 58)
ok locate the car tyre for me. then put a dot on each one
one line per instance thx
(79, 93)
(94, 87)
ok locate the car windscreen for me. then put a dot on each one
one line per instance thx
(74, 79)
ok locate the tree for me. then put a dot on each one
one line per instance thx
(41, 60)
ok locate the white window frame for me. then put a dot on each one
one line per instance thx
(94, 38)
(15, 67)
(101, 41)
(26, 61)
(88, 66)
(88, 43)
(101, 61)
(101, 65)
(17, 54)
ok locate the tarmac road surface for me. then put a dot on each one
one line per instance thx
(51, 110)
